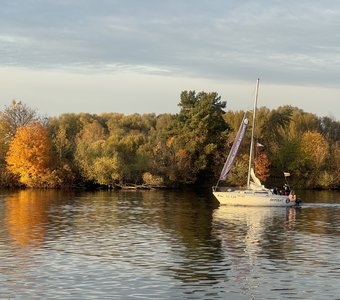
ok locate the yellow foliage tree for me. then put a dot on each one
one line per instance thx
(29, 156)
(314, 148)
(313, 153)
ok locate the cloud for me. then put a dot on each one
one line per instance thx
(288, 42)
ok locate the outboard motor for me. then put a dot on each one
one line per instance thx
(298, 201)
(292, 197)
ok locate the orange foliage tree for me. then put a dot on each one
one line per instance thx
(29, 156)
(262, 164)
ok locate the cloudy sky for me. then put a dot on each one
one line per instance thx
(138, 55)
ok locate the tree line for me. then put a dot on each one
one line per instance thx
(173, 150)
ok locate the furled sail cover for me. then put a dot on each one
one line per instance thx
(234, 149)
(256, 183)
(255, 179)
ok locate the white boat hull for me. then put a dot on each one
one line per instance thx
(252, 198)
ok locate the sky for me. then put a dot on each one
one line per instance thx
(137, 56)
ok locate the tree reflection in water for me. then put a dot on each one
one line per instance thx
(26, 217)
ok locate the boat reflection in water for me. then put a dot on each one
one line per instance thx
(254, 239)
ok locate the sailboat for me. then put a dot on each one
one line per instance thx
(255, 194)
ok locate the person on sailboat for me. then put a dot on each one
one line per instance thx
(286, 189)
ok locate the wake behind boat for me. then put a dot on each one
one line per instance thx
(255, 194)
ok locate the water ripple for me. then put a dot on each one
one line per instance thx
(164, 245)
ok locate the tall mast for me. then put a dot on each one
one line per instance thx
(251, 154)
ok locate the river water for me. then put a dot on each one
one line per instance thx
(166, 245)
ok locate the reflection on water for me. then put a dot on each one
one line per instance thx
(163, 245)
(246, 234)
(26, 217)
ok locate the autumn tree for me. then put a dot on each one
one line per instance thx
(63, 131)
(238, 174)
(130, 136)
(29, 156)
(12, 117)
(158, 152)
(314, 148)
(330, 128)
(90, 146)
(16, 115)
(273, 130)
(313, 153)
(262, 164)
(335, 168)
